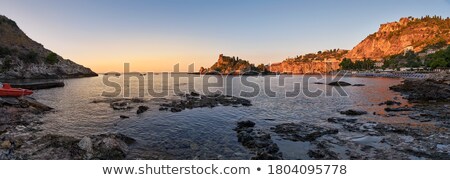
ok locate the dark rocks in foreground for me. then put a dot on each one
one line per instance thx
(104, 147)
(20, 121)
(302, 132)
(424, 90)
(257, 141)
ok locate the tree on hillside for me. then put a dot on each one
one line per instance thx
(347, 64)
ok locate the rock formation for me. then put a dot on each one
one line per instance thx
(408, 34)
(229, 65)
(23, 58)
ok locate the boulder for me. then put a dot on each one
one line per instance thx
(86, 144)
(142, 109)
(120, 105)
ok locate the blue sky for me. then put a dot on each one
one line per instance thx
(155, 35)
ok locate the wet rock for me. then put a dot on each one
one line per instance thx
(397, 109)
(302, 132)
(425, 90)
(339, 83)
(359, 85)
(163, 109)
(244, 124)
(340, 120)
(175, 109)
(120, 105)
(322, 152)
(142, 109)
(257, 141)
(352, 112)
(390, 103)
(124, 117)
(195, 94)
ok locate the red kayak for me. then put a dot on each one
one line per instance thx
(7, 91)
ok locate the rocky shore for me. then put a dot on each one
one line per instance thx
(350, 134)
(20, 136)
(425, 135)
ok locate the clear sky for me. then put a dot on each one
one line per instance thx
(155, 35)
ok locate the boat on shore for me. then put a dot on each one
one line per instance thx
(7, 91)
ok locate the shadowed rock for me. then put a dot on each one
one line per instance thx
(302, 132)
(257, 141)
(142, 109)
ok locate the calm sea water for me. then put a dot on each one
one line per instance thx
(205, 133)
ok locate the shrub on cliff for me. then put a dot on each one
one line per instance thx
(4, 52)
(30, 57)
(52, 58)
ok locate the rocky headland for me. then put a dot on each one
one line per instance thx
(408, 34)
(23, 58)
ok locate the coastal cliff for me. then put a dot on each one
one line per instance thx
(23, 58)
(410, 42)
(408, 34)
(320, 62)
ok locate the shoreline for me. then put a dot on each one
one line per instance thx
(423, 139)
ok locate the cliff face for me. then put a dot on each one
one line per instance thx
(304, 67)
(408, 34)
(23, 58)
(320, 62)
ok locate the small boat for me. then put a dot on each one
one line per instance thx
(7, 91)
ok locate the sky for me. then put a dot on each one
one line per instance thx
(154, 35)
